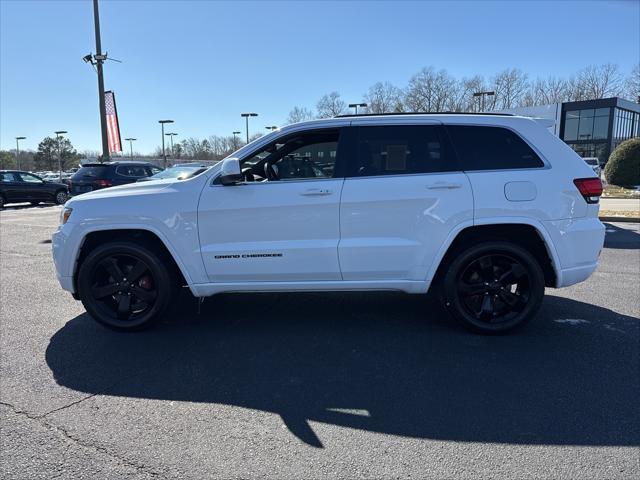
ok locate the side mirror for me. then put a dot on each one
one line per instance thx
(230, 173)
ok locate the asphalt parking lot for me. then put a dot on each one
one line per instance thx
(316, 385)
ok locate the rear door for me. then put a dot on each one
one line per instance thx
(11, 186)
(33, 188)
(403, 196)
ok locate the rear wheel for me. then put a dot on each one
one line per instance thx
(125, 286)
(493, 287)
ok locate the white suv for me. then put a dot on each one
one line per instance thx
(488, 208)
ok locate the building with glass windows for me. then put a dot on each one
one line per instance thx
(593, 128)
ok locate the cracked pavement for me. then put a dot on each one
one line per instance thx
(315, 385)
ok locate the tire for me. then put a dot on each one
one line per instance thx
(493, 287)
(114, 300)
(61, 197)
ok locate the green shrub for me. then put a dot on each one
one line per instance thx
(623, 167)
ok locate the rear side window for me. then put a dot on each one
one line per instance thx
(491, 148)
(132, 171)
(6, 177)
(98, 171)
(399, 150)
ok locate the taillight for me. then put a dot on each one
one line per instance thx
(103, 183)
(590, 188)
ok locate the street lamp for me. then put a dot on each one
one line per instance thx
(356, 105)
(235, 139)
(164, 155)
(59, 134)
(18, 151)
(246, 116)
(272, 127)
(482, 96)
(130, 140)
(171, 134)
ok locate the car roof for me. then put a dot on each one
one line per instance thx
(116, 162)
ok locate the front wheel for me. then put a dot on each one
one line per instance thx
(493, 287)
(125, 286)
(61, 197)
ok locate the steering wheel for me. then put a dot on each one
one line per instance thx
(271, 171)
(247, 175)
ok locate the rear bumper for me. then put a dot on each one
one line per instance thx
(578, 243)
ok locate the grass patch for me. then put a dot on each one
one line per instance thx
(620, 192)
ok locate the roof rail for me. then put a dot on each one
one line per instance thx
(422, 113)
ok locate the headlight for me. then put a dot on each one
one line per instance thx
(65, 214)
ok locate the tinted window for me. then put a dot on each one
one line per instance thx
(7, 177)
(398, 150)
(132, 170)
(491, 148)
(27, 177)
(98, 171)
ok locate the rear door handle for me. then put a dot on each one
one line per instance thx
(316, 192)
(444, 186)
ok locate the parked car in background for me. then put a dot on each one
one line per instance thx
(179, 172)
(488, 210)
(17, 187)
(95, 176)
(594, 163)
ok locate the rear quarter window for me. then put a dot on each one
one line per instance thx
(491, 148)
(132, 171)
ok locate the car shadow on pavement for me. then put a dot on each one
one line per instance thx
(621, 238)
(380, 362)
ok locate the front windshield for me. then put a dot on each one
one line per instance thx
(178, 172)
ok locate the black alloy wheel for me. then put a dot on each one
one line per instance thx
(494, 287)
(124, 286)
(61, 197)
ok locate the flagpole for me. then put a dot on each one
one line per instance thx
(99, 61)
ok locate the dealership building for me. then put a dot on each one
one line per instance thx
(593, 128)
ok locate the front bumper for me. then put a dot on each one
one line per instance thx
(64, 257)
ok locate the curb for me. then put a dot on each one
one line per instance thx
(620, 219)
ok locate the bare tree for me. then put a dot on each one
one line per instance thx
(632, 84)
(299, 114)
(431, 91)
(462, 99)
(383, 97)
(597, 81)
(330, 105)
(510, 86)
(551, 90)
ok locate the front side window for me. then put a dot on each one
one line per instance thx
(491, 148)
(299, 156)
(27, 177)
(399, 150)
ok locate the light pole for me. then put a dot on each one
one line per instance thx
(171, 134)
(482, 96)
(272, 127)
(59, 134)
(246, 116)
(235, 139)
(130, 140)
(164, 155)
(18, 151)
(100, 58)
(356, 105)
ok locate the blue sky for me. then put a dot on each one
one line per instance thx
(201, 63)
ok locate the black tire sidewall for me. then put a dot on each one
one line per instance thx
(161, 278)
(463, 258)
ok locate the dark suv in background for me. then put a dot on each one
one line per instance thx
(17, 187)
(94, 176)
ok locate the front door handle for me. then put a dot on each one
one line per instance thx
(316, 192)
(444, 186)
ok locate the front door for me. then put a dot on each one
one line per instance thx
(33, 188)
(402, 198)
(282, 223)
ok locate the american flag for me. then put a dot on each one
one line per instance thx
(113, 129)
